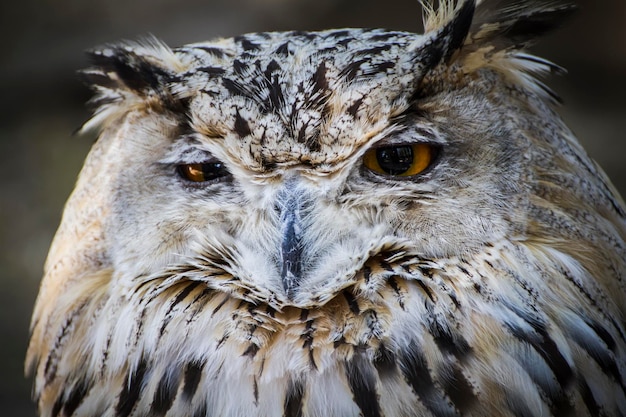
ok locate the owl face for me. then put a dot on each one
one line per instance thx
(347, 222)
(275, 158)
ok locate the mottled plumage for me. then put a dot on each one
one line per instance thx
(338, 223)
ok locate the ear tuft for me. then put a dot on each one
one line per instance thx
(518, 23)
(131, 75)
(471, 35)
(448, 25)
(125, 69)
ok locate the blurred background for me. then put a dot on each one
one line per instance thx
(42, 105)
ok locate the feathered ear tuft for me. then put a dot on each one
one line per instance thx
(449, 25)
(493, 36)
(438, 14)
(498, 39)
(129, 76)
(501, 24)
(517, 23)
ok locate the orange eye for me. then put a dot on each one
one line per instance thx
(202, 172)
(401, 160)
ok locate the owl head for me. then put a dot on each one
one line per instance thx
(292, 158)
(389, 187)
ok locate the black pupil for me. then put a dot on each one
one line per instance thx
(212, 171)
(395, 160)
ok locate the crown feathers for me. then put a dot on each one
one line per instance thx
(471, 34)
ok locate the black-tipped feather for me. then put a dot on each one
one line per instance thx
(517, 23)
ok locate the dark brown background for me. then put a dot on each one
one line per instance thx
(42, 104)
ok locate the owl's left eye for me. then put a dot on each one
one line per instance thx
(202, 172)
(400, 160)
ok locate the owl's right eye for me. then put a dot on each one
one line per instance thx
(202, 172)
(405, 160)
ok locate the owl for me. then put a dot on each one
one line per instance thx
(353, 222)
